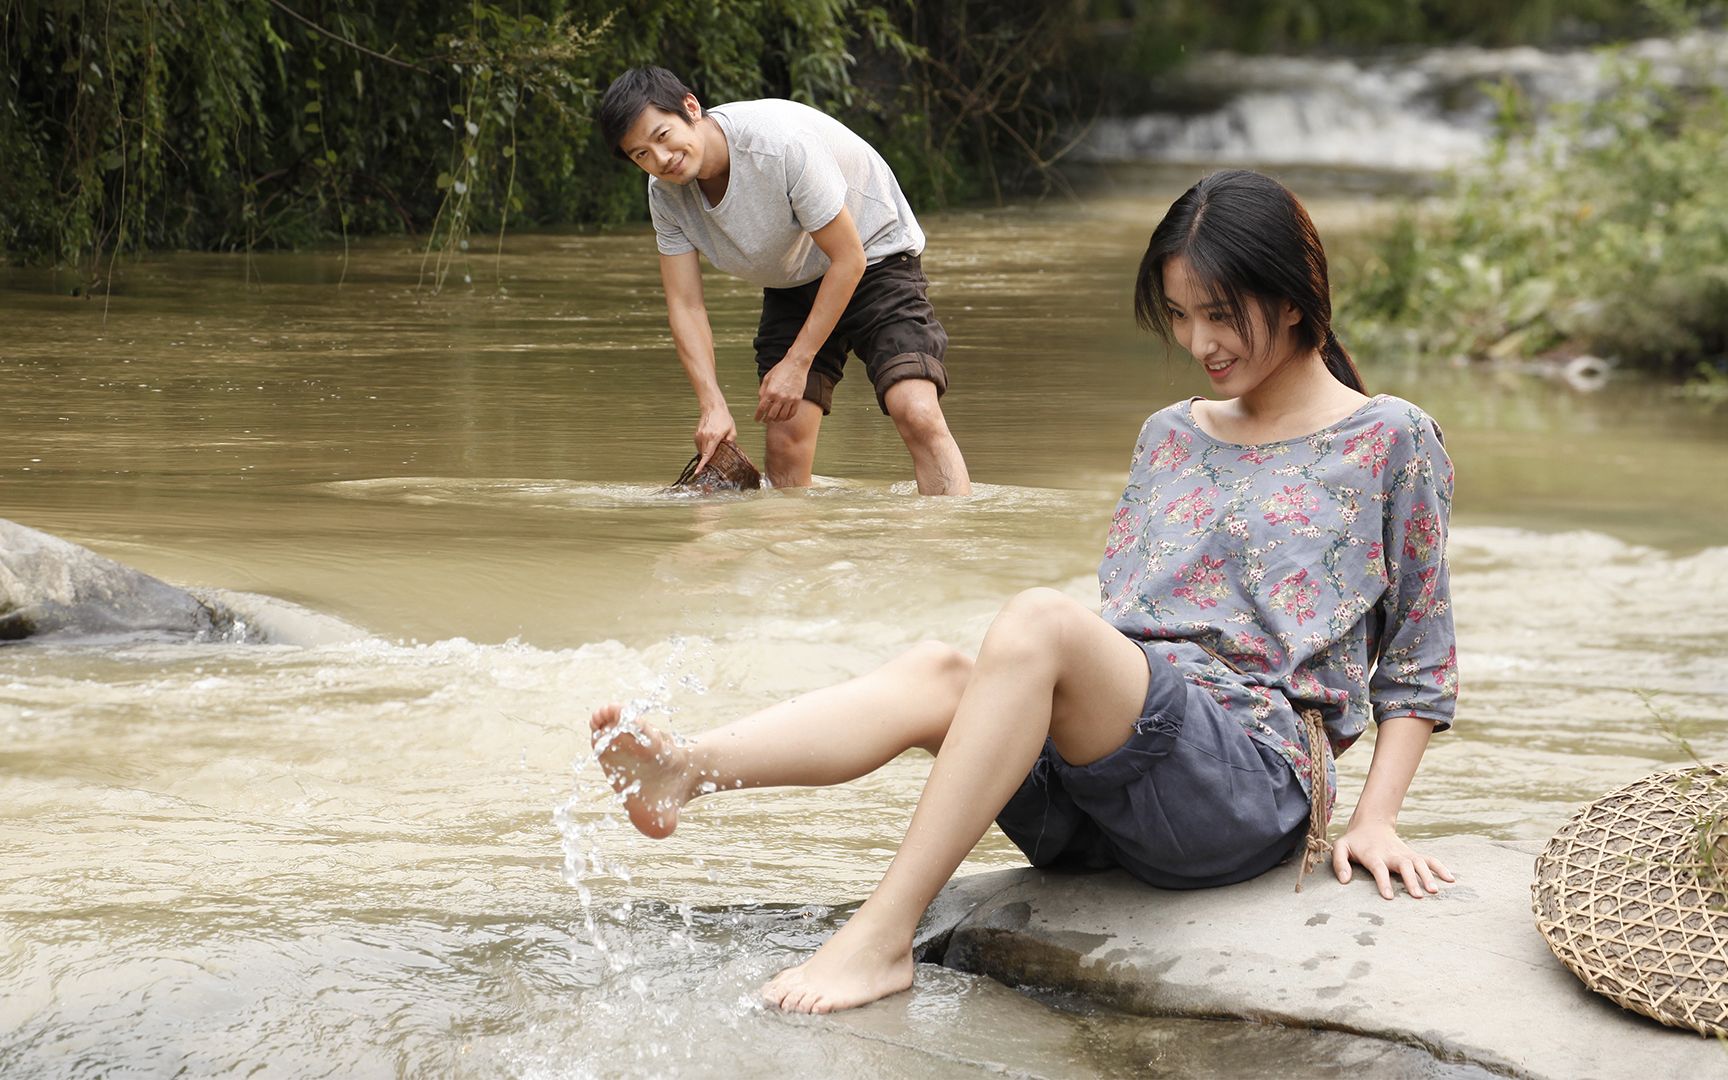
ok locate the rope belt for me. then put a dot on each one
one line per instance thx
(1317, 847)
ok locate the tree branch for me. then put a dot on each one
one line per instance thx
(333, 36)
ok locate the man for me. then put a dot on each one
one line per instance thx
(788, 198)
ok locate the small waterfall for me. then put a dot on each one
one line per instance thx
(1412, 113)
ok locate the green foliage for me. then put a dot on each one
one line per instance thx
(975, 99)
(151, 124)
(1709, 846)
(161, 123)
(1606, 234)
(177, 123)
(259, 123)
(501, 62)
(1284, 25)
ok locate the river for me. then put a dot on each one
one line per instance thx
(377, 848)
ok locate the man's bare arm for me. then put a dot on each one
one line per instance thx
(783, 388)
(681, 275)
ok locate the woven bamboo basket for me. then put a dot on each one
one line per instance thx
(728, 470)
(1630, 896)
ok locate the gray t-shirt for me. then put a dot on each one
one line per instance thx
(792, 169)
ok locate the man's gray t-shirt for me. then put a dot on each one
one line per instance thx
(792, 170)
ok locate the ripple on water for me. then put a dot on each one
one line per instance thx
(578, 495)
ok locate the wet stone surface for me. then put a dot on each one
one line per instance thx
(1458, 981)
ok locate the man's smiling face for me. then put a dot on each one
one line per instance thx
(667, 146)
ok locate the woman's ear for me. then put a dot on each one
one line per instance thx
(1292, 315)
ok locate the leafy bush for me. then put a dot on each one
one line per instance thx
(1606, 233)
(174, 123)
(151, 124)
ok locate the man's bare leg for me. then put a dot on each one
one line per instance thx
(936, 460)
(1048, 667)
(826, 737)
(791, 447)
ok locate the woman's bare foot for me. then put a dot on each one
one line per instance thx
(646, 766)
(855, 967)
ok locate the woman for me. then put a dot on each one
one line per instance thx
(1274, 577)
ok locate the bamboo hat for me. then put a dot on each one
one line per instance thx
(1632, 896)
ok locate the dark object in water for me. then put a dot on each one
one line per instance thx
(727, 470)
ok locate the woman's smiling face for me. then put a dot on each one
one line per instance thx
(1204, 325)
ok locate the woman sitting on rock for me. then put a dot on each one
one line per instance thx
(1274, 577)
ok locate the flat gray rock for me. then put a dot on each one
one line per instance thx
(1463, 975)
(51, 587)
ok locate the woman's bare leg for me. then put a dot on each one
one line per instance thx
(826, 737)
(1048, 666)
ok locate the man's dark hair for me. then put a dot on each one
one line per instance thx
(634, 91)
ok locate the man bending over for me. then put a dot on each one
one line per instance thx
(790, 199)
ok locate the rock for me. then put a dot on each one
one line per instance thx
(51, 587)
(1464, 975)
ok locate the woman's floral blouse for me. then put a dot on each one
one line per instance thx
(1309, 572)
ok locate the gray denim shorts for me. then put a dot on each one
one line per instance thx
(1189, 801)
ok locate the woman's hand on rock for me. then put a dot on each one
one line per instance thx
(1381, 852)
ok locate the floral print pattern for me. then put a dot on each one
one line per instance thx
(1305, 573)
(1370, 449)
(1124, 531)
(1421, 534)
(1172, 453)
(1190, 509)
(1290, 504)
(1202, 582)
(1295, 595)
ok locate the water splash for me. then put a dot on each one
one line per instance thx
(585, 839)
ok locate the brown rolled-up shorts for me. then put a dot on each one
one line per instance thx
(889, 323)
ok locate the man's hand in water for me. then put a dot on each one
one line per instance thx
(715, 427)
(782, 390)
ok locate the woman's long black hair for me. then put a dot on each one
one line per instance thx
(1245, 236)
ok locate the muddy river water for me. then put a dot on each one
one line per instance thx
(377, 848)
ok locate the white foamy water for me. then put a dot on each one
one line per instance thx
(1422, 112)
(281, 840)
